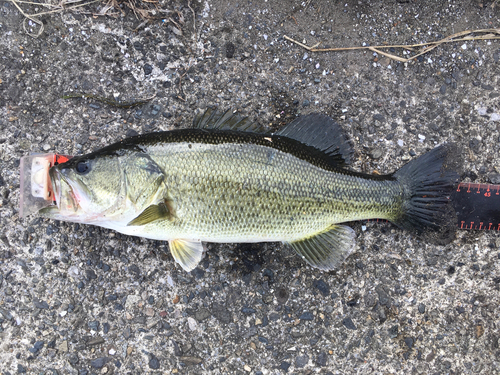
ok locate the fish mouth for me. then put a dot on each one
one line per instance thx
(65, 202)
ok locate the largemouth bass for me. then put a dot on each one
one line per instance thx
(226, 181)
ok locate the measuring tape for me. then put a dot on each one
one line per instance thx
(477, 206)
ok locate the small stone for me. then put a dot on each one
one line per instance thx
(129, 351)
(301, 361)
(321, 359)
(94, 325)
(192, 324)
(63, 347)
(322, 287)
(421, 308)
(247, 310)
(376, 153)
(409, 342)
(148, 69)
(154, 363)
(479, 331)
(307, 316)
(306, 103)
(393, 332)
(191, 360)
(202, 314)
(46, 147)
(494, 178)
(95, 341)
(348, 323)
(40, 304)
(258, 322)
(98, 362)
(284, 366)
(230, 48)
(176, 299)
(150, 311)
(247, 368)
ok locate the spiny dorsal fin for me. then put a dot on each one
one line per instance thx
(321, 132)
(215, 119)
(328, 249)
(186, 253)
(163, 210)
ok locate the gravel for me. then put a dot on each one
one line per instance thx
(77, 299)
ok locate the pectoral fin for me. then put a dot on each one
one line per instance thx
(328, 249)
(186, 253)
(161, 211)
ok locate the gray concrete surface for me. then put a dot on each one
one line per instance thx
(76, 299)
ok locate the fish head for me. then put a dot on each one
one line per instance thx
(86, 189)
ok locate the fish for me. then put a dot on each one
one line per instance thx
(228, 180)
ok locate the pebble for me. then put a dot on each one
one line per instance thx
(202, 314)
(321, 359)
(154, 363)
(98, 362)
(421, 308)
(301, 361)
(63, 347)
(285, 365)
(148, 69)
(307, 316)
(247, 368)
(46, 147)
(409, 342)
(322, 287)
(94, 325)
(393, 332)
(192, 324)
(376, 153)
(247, 310)
(40, 304)
(348, 323)
(494, 178)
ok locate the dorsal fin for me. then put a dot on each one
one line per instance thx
(214, 119)
(321, 132)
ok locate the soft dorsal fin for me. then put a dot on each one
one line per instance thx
(214, 119)
(321, 132)
(328, 249)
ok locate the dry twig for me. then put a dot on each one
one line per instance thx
(429, 46)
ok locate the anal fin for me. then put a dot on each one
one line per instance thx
(327, 249)
(186, 253)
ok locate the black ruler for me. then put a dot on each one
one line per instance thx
(477, 206)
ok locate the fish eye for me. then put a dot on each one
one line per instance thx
(82, 167)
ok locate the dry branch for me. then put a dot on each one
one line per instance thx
(489, 34)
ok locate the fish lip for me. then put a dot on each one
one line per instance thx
(56, 176)
(55, 180)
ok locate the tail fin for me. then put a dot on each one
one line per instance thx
(427, 183)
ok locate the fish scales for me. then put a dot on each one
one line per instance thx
(241, 192)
